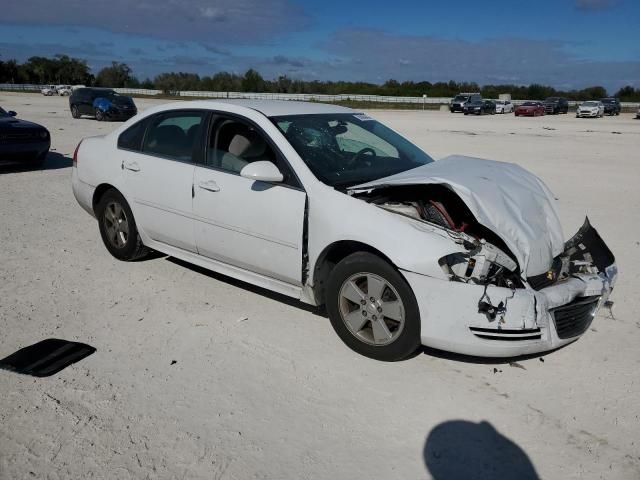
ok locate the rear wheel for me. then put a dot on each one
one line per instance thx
(75, 113)
(372, 308)
(118, 227)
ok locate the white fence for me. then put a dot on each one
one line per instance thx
(286, 96)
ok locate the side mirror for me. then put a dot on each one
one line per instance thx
(262, 171)
(12, 113)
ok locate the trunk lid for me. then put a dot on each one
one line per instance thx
(504, 197)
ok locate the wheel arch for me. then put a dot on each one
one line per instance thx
(331, 256)
(99, 193)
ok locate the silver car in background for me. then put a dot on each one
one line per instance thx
(591, 109)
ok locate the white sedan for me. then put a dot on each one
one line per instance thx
(591, 109)
(49, 90)
(329, 206)
(504, 106)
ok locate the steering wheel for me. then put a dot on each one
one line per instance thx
(357, 155)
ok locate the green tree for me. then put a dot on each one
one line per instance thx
(114, 76)
(252, 81)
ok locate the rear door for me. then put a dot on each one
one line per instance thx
(253, 225)
(159, 174)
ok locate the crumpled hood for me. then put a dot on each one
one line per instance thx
(504, 197)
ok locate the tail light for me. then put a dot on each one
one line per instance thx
(75, 154)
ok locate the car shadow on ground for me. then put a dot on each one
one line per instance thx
(54, 161)
(459, 449)
(321, 312)
(458, 357)
(251, 288)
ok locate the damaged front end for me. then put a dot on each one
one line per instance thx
(514, 286)
(496, 315)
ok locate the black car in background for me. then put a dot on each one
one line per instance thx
(101, 103)
(611, 106)
(22, 142)
(479, 107)
(555, 105)
(460, 100)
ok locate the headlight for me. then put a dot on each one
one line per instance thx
(44, 134)
(483, 264)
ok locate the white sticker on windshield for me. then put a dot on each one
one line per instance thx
(362, 117)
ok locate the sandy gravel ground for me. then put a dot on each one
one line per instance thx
(261, 387)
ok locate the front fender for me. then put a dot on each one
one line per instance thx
(409, 244)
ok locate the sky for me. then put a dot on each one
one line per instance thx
(564, 43)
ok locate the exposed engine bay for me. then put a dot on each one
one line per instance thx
(487, 259)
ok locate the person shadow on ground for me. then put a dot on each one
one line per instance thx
(459, 449)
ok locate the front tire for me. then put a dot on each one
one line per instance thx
(118, 227)
(372, 308)
(99, 115)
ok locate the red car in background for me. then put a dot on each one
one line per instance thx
(531, 109)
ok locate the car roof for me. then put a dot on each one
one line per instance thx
(269, 108)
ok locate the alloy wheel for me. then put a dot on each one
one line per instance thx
(116, 224)
(371, 309)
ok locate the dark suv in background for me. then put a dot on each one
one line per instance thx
(101, 103)
(458, 103)
(611, 106)
(555, 105)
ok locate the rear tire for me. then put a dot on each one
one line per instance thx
(372, 308)
(118, 227)
(74, 111)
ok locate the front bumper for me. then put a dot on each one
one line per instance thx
(16, 153)
(588, 114)
(456, 107)
(123, 115)
(531, 321)
(526, 113)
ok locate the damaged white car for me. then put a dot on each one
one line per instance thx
(329, 206)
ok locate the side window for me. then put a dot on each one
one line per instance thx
(175, 135)
(233, 144)
(131, 138)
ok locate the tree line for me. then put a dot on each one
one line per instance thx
(62, 69)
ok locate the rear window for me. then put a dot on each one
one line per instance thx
(131, 138)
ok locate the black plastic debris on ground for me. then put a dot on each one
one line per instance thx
(46, 358)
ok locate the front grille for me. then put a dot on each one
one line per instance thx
(509, 335)
(574, 318)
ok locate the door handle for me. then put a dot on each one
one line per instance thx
(209, 185)
(133, 166)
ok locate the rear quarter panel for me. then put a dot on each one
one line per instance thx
(98, 162)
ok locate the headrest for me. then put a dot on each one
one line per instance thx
(168, 134)
(247, 144)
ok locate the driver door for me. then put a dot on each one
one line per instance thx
(254, 225)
